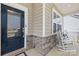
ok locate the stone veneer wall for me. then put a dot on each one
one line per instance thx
(42, 44)
(29, 42)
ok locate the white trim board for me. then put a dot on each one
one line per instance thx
(43, 19)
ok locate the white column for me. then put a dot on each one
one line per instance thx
(43, 19)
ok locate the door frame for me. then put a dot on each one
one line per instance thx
(20, 7)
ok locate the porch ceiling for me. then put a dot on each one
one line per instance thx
(67, 8)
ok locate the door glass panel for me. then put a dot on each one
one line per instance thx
(13, 24)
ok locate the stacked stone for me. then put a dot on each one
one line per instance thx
(42, 44)
(29, 42)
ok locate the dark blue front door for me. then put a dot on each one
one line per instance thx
(12, 29)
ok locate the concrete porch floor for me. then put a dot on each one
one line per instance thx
(53, 52)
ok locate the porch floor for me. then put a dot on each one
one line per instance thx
(53, 52)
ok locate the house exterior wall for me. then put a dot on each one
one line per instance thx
(34, 22)
(34, 18)
(48, 19)
(37, 19)
(35, 27)
(36, 40)
(30, 19)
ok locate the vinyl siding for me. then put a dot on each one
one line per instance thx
(37, 19)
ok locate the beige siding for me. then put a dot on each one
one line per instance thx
(30, 20)
(34, 18)
(37, 19)
(48, 19)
